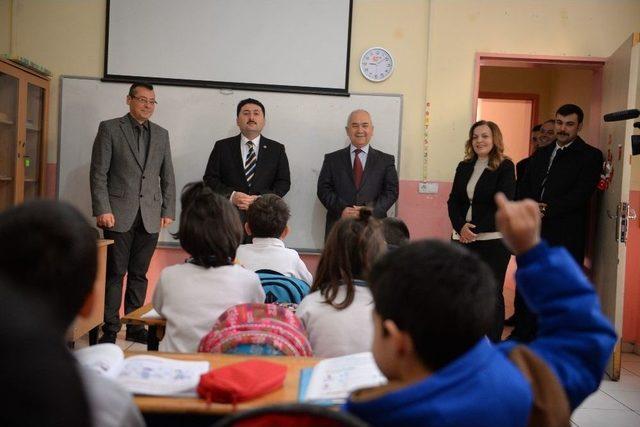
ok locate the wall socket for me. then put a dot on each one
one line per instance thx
(428, 187)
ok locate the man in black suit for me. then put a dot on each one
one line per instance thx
(561, 177)
(357, 175)
(248, 165)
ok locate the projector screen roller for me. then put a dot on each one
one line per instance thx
(286, 45)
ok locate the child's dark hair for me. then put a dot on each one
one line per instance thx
(210, 229)
(351, 248)
(268, 216)
(395, 230)
(49, 249)
(442, 295)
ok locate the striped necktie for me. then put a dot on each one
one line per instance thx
(250, 163)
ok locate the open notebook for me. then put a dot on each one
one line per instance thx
(147, 375)
(332, 380)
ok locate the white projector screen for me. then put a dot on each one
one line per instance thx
(282, 45)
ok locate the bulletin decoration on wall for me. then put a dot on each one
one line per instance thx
(425, 141)
(606, 176)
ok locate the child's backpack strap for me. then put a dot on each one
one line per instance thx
(550, 402)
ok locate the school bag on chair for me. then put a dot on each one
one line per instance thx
(280, 288)
(257, 329)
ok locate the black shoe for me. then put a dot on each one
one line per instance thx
(137, 336)
(511, 321)
(107, 337)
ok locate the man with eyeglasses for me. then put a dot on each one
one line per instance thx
(133, 195)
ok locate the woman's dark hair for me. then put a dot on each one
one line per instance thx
(210, 229)
(349, 252)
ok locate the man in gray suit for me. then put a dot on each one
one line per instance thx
(357, 175)
(133, 195)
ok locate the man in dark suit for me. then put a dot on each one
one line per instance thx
(248, 165)
(357, 175)
(561, 177)
(133, 195)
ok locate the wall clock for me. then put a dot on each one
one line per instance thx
(376, 64)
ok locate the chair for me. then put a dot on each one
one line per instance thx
(295, 414)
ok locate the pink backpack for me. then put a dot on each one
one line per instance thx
(257, 329)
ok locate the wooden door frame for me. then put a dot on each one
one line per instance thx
(533, 97)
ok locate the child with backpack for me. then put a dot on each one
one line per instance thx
(191, 296)
(337, 312)
(267, 219)
(434, 304)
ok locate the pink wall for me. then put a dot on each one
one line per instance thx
(426, 216)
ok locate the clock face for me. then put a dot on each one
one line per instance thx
(376, 64)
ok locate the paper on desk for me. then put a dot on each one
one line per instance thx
(333, 379)
(159, 376)
(151, 314)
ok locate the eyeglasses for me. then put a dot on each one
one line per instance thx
(145, 100)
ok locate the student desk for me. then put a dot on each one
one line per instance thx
(91, 323)
(156, 326)
(192, 405)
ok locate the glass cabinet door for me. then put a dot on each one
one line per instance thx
(8, 138)
(32, 155)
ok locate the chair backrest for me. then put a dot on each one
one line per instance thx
(280, 288)
(295, 414)
(257, 329)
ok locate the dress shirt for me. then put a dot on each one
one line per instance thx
(362, 155)
(245, 150)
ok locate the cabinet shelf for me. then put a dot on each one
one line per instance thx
(23, 125)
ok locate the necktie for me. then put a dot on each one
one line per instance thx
(357, 168)
(142, 144)
(544, 181)
(250, 163)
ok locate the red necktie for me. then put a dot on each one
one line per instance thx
(357, 168)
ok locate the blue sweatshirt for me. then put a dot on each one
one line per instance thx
(483, 387)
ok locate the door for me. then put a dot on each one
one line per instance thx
(619, 92)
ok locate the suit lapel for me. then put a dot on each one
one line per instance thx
(154, 145)
(263, 154)
(236, 156)
(372, 159)
(125, 125)
(346, 160)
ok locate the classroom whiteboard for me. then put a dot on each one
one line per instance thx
(308, 125)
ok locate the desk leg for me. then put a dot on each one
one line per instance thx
(93, 335)
(152, 338)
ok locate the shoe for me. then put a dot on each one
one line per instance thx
(139, 336)
(107, 337)
(511, 321)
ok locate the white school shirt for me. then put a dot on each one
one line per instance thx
(192, 298)
(334, 332)
(268, 253)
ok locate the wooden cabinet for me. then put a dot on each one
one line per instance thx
(24, 101)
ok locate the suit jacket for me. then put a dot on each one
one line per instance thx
(337, 190)
(572, 179)
(521, 169)
(225, 169)
(121, 185)
(484, 207)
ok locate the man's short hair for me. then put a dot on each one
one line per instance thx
(439, 293)
(536, 128)
(135, 85)
(568, 109)
(268, 216)
(396, 232)
(49, 249)
(250, 101)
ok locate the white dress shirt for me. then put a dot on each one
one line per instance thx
(269, 253)
(363, 155)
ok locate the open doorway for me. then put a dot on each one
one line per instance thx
(519, 91)
(515, 114)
